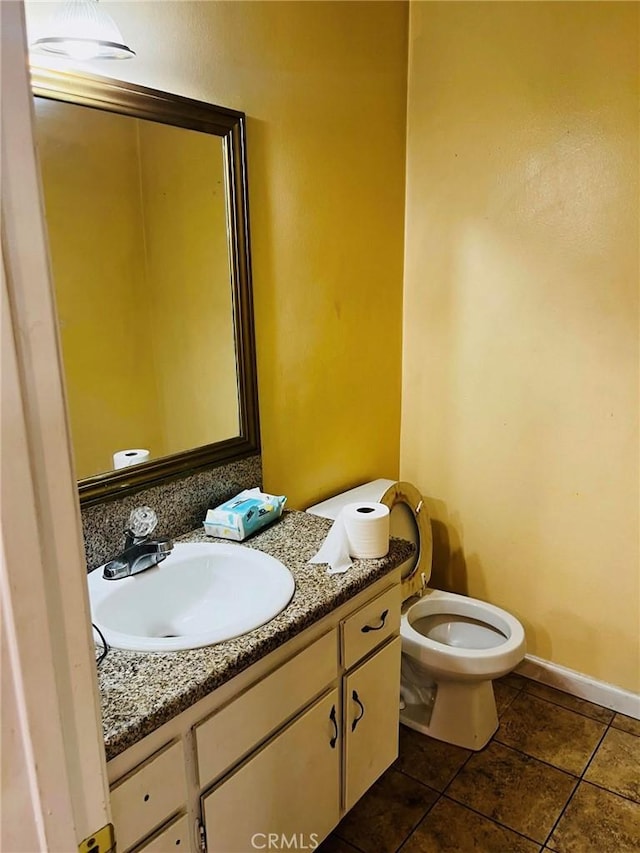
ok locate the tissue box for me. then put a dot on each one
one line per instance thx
(243, 515)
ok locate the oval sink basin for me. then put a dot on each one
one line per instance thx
(202, 593)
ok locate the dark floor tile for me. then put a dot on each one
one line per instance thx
(553, 734)
(333, 844)
(627, 724)
(428, 760)
(516, 790)
(387, 813)
(452, 828)
(566, 700)
(513, 679)
(599, 821)
(616, 764)
(504, 695)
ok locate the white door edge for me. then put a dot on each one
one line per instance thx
(47, 642)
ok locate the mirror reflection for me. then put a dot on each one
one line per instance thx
(137, 217)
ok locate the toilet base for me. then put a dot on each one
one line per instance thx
(464, 714)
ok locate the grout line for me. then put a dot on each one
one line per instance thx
(500, 711)
(350, 843)
(609, 791)
(424, 816)
(513, 686)
(463, 765)
(415, 779)
(593, 754)
(580, 779)
(541, 760)
(493, 820)
(573, 710)
(626, 731)
(562, 811)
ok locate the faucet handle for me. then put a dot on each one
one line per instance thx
(142, 522)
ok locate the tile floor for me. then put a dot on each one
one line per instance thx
(560, 774)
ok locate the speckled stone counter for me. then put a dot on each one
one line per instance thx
(141, 691)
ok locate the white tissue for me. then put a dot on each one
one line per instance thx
(335, 548)
(361, 530)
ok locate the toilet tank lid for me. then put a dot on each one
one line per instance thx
(372, 491)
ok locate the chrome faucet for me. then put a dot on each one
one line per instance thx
(140, 551)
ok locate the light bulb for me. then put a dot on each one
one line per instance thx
(82, 30)
(80, 50)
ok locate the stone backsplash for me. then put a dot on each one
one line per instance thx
(181, 506)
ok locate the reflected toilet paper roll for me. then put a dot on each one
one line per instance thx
(126, 458)
(367, 526)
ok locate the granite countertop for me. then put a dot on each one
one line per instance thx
(143, 690)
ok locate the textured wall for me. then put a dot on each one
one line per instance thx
(520, 396)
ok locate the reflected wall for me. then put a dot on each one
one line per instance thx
(137, 221)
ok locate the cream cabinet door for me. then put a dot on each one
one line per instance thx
(371, 720)
(288, 795)
(148, 795)
(174, 837)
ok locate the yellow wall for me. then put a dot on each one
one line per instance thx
(324, 89)
(520, 392)
(520, 408)
(189, 300)
(89, 163)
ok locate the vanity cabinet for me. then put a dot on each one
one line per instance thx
(173, 837)
(371, 721)
(370, 626)
(316, 768)
(287, 750)
(143, 800)
(370, 692)
(233, 731)
(291, 788)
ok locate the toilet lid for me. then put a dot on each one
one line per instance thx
(418, 570)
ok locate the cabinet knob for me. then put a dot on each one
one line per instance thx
(356, 699)
(383, 618)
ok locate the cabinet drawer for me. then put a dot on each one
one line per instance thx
(230, 733)
(370, 626)
(174, 837)
(148, 795)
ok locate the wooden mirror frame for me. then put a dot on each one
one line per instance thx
(139, 102)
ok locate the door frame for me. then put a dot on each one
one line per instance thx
(56, 766)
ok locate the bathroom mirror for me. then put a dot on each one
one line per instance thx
(145, 198)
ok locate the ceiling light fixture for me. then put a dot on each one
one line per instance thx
(81, 29)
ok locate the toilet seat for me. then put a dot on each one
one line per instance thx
(415, 582)
(454, 661)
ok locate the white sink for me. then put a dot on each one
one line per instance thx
(202, 593)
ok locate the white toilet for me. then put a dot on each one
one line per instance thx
(452, 646)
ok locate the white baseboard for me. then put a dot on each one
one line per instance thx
(583, 686)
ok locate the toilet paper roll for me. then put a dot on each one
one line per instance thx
(126, 458)
(367, 527)
(361, 530)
